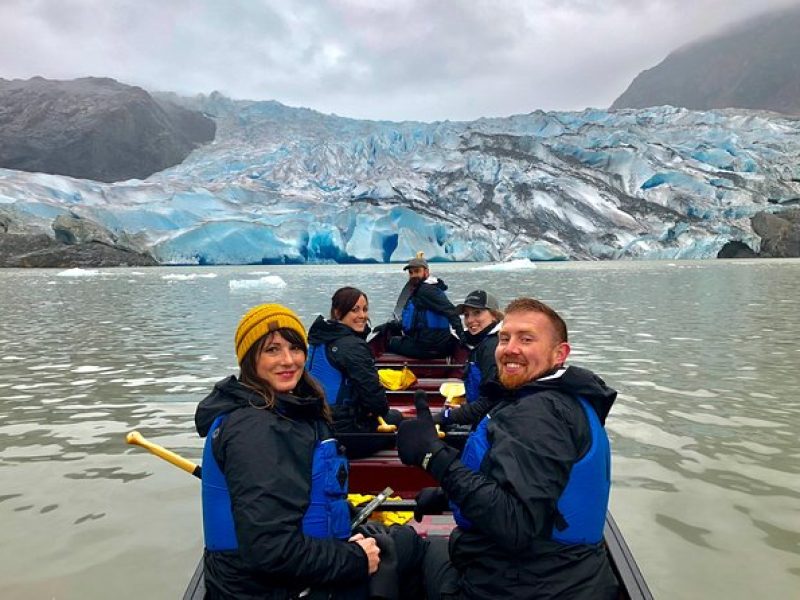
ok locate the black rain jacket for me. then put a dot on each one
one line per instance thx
(266, 458)
(429, 296)
(537, 433)
(348, 352)
(483, 343)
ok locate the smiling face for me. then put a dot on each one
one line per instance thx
(356, 318)
(280, 363)
(527, 348)
(477, 319)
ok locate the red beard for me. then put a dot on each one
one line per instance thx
(512, 382)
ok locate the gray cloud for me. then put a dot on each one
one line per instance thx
(412, 59)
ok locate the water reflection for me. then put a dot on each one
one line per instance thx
(693, 535)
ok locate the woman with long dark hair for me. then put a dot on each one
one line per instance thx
(275, 513)
(341, 361)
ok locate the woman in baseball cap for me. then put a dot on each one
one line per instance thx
(482, 317)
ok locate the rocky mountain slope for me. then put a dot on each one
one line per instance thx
(756, 66)
(94, 128)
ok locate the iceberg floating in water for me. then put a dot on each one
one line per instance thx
(270, 282)
(519, 264)
(188, 276)
(78, 272)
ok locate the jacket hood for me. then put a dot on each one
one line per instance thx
(474, 340)
(435, 281)
(229, 395)
(323, 331)
(578, 381)
(226, 396)
(575, 381)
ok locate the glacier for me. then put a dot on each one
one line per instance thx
(291, 185)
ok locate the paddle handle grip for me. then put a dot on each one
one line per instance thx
(384, 427)
(137, 439)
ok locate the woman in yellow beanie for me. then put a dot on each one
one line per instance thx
(275, 514)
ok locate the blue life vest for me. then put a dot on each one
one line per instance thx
(335, 384)
(218, 528)
(472, 381)
(327, 516)
(474, 450)
(415, 318)
(583, 502)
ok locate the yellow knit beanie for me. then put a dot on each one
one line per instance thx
(262, 319)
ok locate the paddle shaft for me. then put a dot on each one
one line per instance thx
(137, 439)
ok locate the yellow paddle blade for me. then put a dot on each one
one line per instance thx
(386, 517)
(393, 379)
(451, 390)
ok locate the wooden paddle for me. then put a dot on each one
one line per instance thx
(137, 439)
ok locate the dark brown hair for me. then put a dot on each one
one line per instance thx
(533, 305)
(306, 387)
(344, 300)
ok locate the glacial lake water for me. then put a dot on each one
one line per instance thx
(706, 457)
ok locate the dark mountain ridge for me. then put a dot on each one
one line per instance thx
(94, 128)
(755, 65)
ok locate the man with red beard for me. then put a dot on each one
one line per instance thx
(530, 492)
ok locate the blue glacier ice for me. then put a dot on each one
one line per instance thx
(291, 185)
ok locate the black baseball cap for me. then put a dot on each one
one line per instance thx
(479, 299)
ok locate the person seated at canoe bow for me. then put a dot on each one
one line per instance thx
(482, 317)
(274, 487)
(340, 360)
(426, 316)
(530, 492)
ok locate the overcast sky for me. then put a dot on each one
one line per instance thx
(378, 59)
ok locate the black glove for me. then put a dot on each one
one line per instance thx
(442, 418)
(391, 327)
(417, 440)
(430, 501)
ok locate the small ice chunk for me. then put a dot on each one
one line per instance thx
(270, 281)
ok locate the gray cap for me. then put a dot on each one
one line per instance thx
(416, 262)
(479, 299)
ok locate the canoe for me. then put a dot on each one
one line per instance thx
(370, 475)
(632, 585)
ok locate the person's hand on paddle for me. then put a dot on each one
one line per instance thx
(370, 548)
(442, 418)
(417, 440)
(430, 501)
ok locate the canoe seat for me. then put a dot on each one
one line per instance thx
(372, 474)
